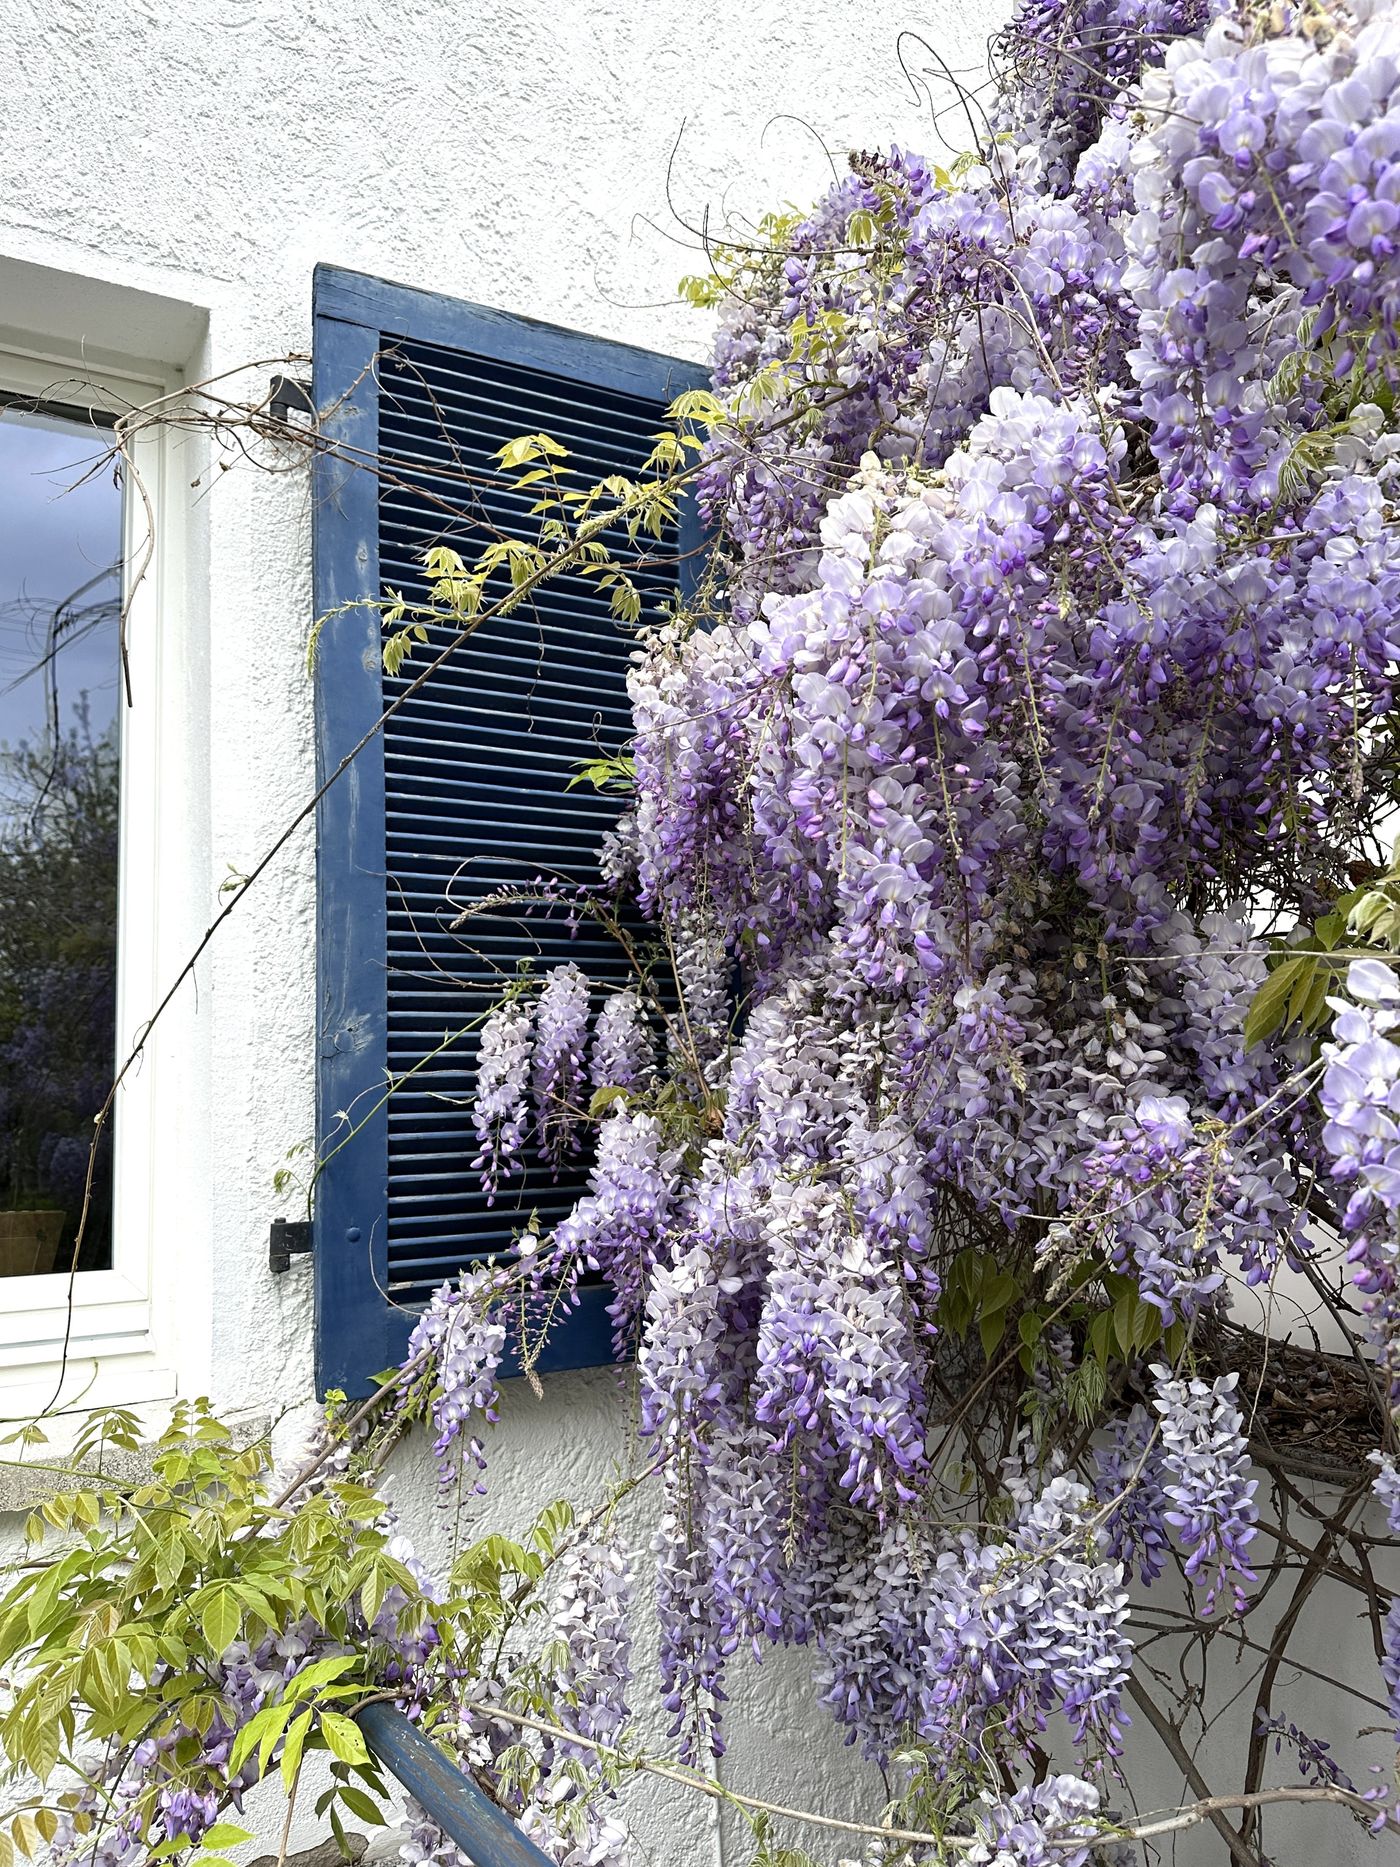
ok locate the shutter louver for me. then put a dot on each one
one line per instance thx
(469, 780)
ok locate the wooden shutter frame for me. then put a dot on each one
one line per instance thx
(359, 1329)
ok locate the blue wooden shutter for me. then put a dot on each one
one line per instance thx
(465, 788)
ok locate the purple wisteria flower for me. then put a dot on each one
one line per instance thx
(557, 1073)
(1052, 1824)
(1390, 1663)
(1360, 1096)
(624, 1049)
(619, 1226)
(951, 1642)
(1315, 1759)
(1360, 1091)
(462, 1338)
(1386, 1488)
(591, 1624)
(835, 1371)
(702, 974)
(500, 1112)
(1146, 1189)
(1204, 1466)
(1130, 1484)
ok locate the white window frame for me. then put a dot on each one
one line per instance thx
(123, 1337)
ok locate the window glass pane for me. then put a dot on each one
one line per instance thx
(60, 594)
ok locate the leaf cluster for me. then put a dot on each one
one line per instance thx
(125, 1632)
(1104, 1312)
(579, 529)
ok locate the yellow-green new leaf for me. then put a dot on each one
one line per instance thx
(343, 1737)
(1270, 1003)
(361, 1805)
(292, 1749)
(321, 1673)
(261, 1734)
(221, 1617)
(372, 1593)
(225, 1835)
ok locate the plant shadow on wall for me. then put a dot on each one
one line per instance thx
(1008, 1025)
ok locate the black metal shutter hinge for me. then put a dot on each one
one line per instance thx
(286, 1237)
(289, 395)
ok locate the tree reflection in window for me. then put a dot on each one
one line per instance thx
(60, 594)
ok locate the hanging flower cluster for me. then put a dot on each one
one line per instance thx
(460, 1339)
(1204, 1462)
(957, 1639)
(1053, 1824)
(618, 1228)
(557, 1072)
(502, 1085)
(623, 1047)
(1050, 653)
(535, 1064)
(1360, 1097)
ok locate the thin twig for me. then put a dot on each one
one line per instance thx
(291, 1811)
(1210, 1805)
(1209, 1808)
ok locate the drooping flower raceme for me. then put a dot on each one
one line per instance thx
(557, 1071)
(462, 1339)
(702, 970)
(1386, 1487)
(619, 1227)
(1204, 1466)
(1360, 1096)
(1153, 1183)
(500, 1112)
(1052, 1824)
(591, 1623)
(1129, 1483)
(979, 1635)
(623, 1055)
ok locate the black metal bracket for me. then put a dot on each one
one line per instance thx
(289, 395)
(286, 1237)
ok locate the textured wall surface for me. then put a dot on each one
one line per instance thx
(550, 160)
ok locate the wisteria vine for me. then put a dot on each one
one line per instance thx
(1007, 1014)
(1037, 711)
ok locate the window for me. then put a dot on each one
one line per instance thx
(80, 957)
(466, 790)
(60, 614)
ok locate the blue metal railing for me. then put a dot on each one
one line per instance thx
(484, 1832)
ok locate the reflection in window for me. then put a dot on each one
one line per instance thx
(60, 593)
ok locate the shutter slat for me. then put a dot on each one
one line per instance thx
(476, 770)
(437, 375)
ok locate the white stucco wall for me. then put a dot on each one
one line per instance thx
(207, 154)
